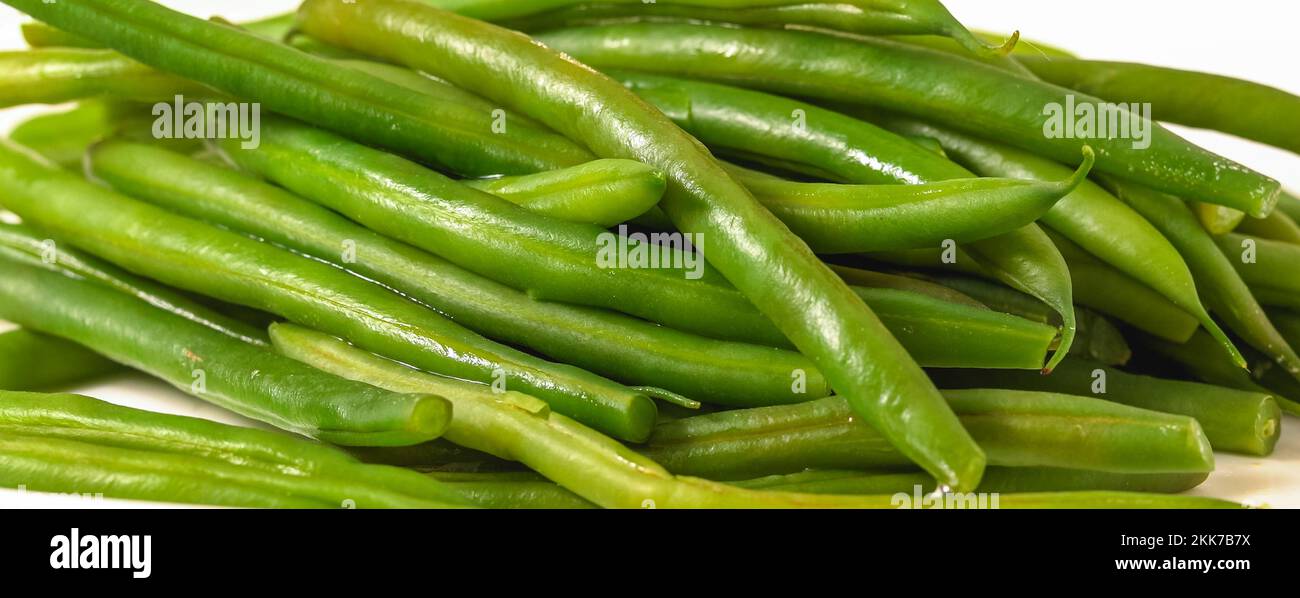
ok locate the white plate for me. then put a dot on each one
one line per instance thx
(1252, 41)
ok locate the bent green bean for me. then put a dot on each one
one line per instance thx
(940, 87)
(32, 361)
(244, 378)
(1015, 428)
(1233, 420)
(228, 266)
(603, 193)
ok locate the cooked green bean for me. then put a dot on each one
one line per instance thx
(32, 361)
(996, 296)
(1221, 286)
(1233, 420)
(1197, 360)
(996, 479)
(835, 218)
(880, 280)
(57, 75)
(40, 35)
(1015, 428)
(512, 491)
(226, 265)
(577, 458)
(1278, 226)
(239, 376)
(1217, 219)
(928, 84)
(1263, 262)
(64, 136)
(1290, 205)
(603, 193)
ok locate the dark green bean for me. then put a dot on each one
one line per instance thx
(243, 64)
(1099, 340)
(1197, 360)
(996, 479)
(996, 296)
(603, 193)
(194, 256)
(1015, 428)
(1190, 98)
(940, 87)
(1234, 420)
(1222, 287)
(880, 280)
(215, 367)
(32, 361)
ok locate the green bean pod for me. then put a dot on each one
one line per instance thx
(511, 491)
(867, 17)
(40, 35)
(1263, 262)
(1101, 224)
(1197, 361)
(996, 296)
(1099, 340)
(33, 247)
(1290, 205)
(1217, 219)
(998, 479)
(834, 146)
(577, 458)
(215, 367)
(1233, 420)
(64, 136)
(880, 280)
(1223, 289)
(57, 75)
(861, 218)
(603, 193)
(32, 361)
(226, 265)
(1201, 100)
(940, 87)
(245, 65)
(1015, 428)
(1278, 226)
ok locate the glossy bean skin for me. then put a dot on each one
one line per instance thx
(33, 361)
(64, 136)
(1202, 100)
(928, 84)
(837, 147)
(881, 280)
(577, 458)
(35, 247)
(867, 17)
(1233, 420)
(862, 218)
(1091, 217)
(1015, 428)
(244, 378)
(57, 75)
(603, 193)
(776, 271)
(1006, 480)
(198, 257)
(245, 65)
(93, 422)
(1278, 226)
(1221, 286)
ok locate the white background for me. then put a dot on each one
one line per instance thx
(1251, 39)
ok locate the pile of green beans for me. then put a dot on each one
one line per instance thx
(573, 254)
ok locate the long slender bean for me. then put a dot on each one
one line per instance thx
(244, 378)
(191, 255)
(948, 89)
(880, 280)
(1196, 360)
(1278, 226)
(603, 193)
(32, 361)
(1220, 284)
(1233, 420)
(1015, 428)
(1263, 262)
(57, 75)
(996, 479)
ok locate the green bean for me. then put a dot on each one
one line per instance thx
(1015, 428)
(1202, 100)
(439, 455)
(1263, 262)
(1223, 289)
(244, 378)
(1196, 360)
(767, 263)
(853, 151)
(879, 280)
(64, 136)
(1103, 225)
(243, 64)
(510, 491)
(40, 35)
(997, 297)
(860, 218)
(32, 361)
(1110, 291)
(57, 75)
(228, 266)
(603, 193)
(1233, 420)
(947, 89)
(577, 458)
(1290, 205)
(1007, 63)
(996, 479)
(1099, 340)
(1278, 226)
(1218, 219)
(31, 246)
